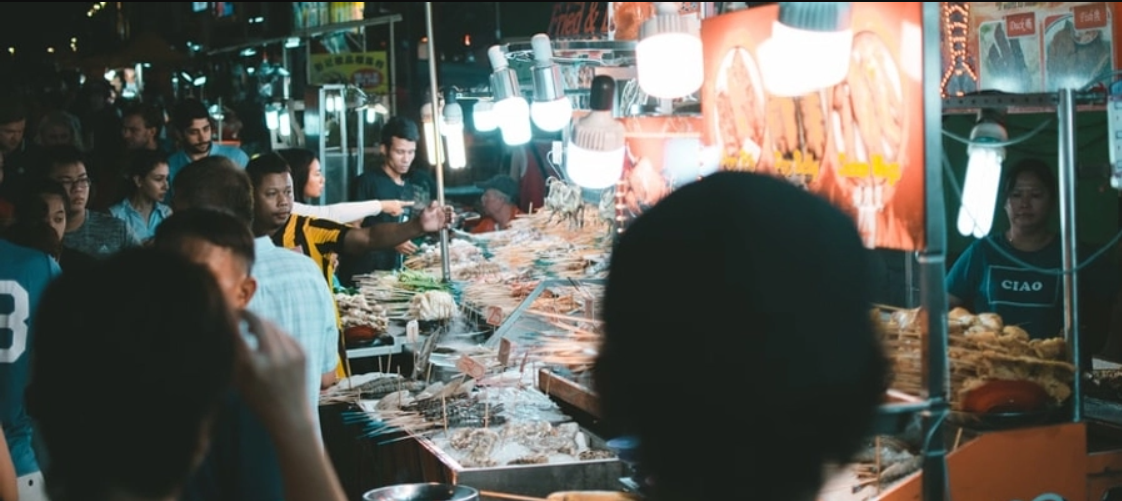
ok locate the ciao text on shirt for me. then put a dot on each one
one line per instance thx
(1022, 286)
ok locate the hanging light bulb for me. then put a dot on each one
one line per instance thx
(285, 124)
(668, 58)
(429, 131)
(818, 36)
(983, 177)
(594, 158)
(512, 112)
(483, 114)
(551, 110)
(272, 119)
(453, 131)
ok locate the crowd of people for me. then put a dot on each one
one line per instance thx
(175, 295)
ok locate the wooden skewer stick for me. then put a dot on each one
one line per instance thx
(444, 410)
(957, 439)
(511, 497)
(876, 444)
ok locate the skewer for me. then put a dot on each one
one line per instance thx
(876, 444)
(511, 497)
(957, 439)
(444, 411)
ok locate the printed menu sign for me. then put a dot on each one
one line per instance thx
(366, 70)
(1028, 47)
(578, 20)
(859, 143)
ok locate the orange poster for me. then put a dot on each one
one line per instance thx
(663, 153)
(859, 142)
(1030, 47)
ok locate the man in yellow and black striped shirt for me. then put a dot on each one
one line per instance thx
(320, 238)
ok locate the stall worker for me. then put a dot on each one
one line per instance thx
(1015, 273)
(500, 204)
(395, 179)
(782, 322)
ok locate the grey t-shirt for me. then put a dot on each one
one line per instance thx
(100, 236)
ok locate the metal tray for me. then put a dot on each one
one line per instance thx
(539, 480)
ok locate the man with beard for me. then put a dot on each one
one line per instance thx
(196, 136)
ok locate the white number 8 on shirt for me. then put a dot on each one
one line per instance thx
(16, 321)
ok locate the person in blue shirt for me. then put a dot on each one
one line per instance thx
(143, 210)
(24, 275)
(985, 279)
(192, 122)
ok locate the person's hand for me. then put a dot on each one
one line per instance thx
(395, 207)
(271, 378)
(407, 248)
(435, 218)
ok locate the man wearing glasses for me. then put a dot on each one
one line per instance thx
(93, 233)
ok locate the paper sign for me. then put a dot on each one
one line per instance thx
(494, 316)
(505, 347)
(412, 331)
(471, 367)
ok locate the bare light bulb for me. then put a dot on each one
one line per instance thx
(483, 114)
(551, 110)
(983, 177)
(453, 131)
(512, 112)
(594, 157)
(668, 57)
(429, 131)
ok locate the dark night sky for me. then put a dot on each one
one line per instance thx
(40, 24)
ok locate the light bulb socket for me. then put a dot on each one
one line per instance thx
(497, 57)
(602, 95)
(816, 16)
(504, 84)
(548, 85)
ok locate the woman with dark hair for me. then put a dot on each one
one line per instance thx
(40, 223)
(143, 209)
(308, 181)
(1008, 273)
(777, 368)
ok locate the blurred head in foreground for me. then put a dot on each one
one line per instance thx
(761, 364)
(150, 375)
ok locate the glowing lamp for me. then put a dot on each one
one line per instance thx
(594, 157)
(512, 112)
(668, 58)
(453, 131)
(983, 177)
(809, 48)
(551, 110)
(483, 114)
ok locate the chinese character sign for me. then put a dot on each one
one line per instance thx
(366, 70)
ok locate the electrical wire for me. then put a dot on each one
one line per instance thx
(989, 239)
(1020, 139)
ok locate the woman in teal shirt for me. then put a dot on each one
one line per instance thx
(143, 210)
(984, 279)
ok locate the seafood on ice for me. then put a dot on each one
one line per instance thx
(519, 443)
(432, 305)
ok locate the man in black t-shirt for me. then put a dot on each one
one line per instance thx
(395, 180)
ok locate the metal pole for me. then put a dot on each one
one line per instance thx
(345, 168)
(393, 71)
(932, 265)
(1066, 164)
(445, 264)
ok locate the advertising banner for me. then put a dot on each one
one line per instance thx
(1032, 47)
(858, 142)
(366, 70)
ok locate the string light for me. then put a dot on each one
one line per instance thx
(96, 8)
(621, 205)
(956, 21)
